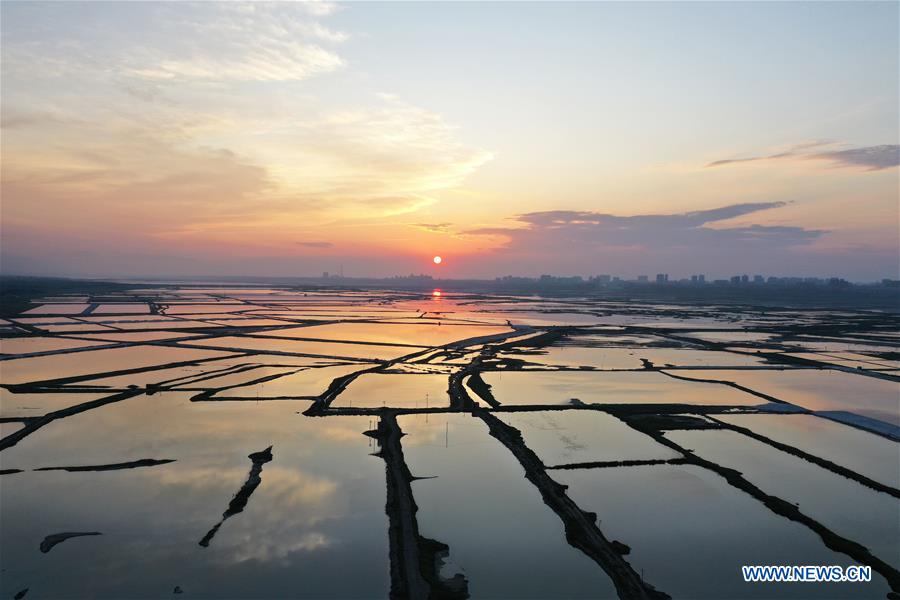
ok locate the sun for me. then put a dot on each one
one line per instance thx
(438, 260)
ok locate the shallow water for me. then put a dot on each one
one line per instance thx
(56, 309)
(845, 506)
(139, 336)
(548, 387)
(561, 437)
(860, 451)
(500, 533)
(165, 324)
(309, 382)
(683, 522)
(197, 309)
(132, 308)
(820, 390)
(842, 346)
(430, 334)
(316, 526)
(375, 390)
(848, 359)
(308, 516)
(36, 405)
(630, 358)
(326, 349)
(41, 344)
(22, 370)
(731, 336)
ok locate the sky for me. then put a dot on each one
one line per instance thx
(156, 139)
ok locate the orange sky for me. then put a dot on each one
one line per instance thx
(290, 139)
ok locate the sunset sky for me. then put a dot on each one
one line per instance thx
(175, 139)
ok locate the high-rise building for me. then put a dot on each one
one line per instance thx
(662, 277)
(643, 278)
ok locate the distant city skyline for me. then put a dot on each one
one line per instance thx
(287, 139)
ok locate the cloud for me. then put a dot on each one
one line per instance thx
(315, 244)
(588, 231)
(146, 92)
(434, 227)
(181, 129)
(873, 158)
(237, 54)
(716, 241)
(319, 8)
(189, 42)
(731, 161)
(399, 148)
(148, 175)
(17, 119)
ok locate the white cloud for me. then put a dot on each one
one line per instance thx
(872, 158)
(206, 41)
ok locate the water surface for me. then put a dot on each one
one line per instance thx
(501, 534)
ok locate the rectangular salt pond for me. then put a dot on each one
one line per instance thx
(116, 320)
(180, 375)
(502, 536)
(198, 309)
(131, 309)
(57, 309)
(575, 436)
(22, 370)
(549, 387)
(27, 345)
(9, 428)
(37, 321)
(551, 318)
(870, 357)
(309, 382)
(74, 328)
(165, 376)
(866, 453)
(375, 390)
(139, 336)
(820, 389)
(164, 324)
(690, 533)
(730, 336)
(610, 337)
(844, 506)
(319, 508)
(630, 358)
(250, 322)
(842, 346)
(416, 335)
(326, 349)
(235, 378)
(36, 405)
(848, 359)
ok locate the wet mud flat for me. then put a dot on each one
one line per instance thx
(271, 442)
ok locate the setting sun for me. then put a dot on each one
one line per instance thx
(438, 260)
